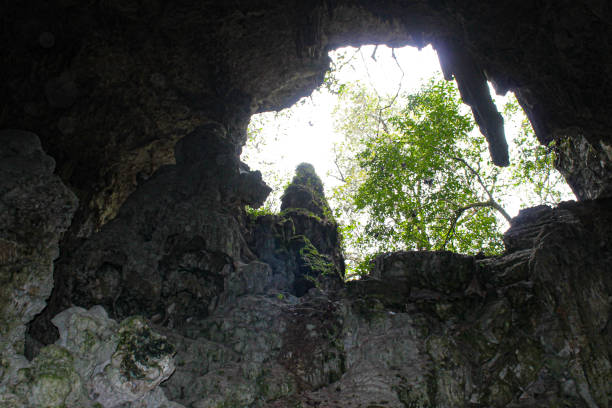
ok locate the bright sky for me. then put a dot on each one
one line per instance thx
(305, 132)
(308, 135)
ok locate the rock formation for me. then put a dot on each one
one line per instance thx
(139, 109)
(35, 208)
(96, 362)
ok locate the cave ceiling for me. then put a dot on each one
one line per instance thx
(110, 86)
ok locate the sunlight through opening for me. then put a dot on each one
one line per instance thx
(311, 130)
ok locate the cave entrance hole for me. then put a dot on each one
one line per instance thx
(307, 131)
(314, 130)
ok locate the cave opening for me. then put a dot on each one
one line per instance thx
(308, 131)
(327, 130)
(102, 97)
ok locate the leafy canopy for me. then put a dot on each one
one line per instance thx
(412, 172)
(415, 175)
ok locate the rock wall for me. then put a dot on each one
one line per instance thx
(35, 208)
(95, 363)
(425, 329)
(530, 328)
(95, 360)
(143, 107)
(172, 244)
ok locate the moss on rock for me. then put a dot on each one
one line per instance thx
(52, 380)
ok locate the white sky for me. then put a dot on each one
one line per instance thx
(308, 136)
(305, 132)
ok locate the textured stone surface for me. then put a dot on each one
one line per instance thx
(302, 243)
(165, 255)
(110, 89)
(144, 105)
(586, 166)
(273, 328)
(35, 208)
(140, 362)
(95, 363)
(426, 329)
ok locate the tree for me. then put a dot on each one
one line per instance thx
(412, 172)
(533, 170)
(415, 175)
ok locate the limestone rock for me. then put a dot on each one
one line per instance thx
(585, 166)
(255, 349)
(96, 363)
(306, 192)
(141, 361)
(52, 380)
(425, 329)
(444, 272)
(89, 335)
(166, 256)
(35, 209)
(111, 88)
(302, 243)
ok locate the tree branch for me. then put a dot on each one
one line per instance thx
(459, 212)
(399, 85)
(336, 158)
(492, 202)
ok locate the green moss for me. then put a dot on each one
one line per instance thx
(52, 377)
(316, 263)
(141, 346)
(289, 212)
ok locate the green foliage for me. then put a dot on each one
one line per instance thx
(412, 171)
(416, 180)
(416, 176)
(534, 164)
(253, 213)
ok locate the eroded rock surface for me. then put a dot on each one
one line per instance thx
(173, 243)
(302, 243)
(144, 106)
(586, 166)
(35, 209)
(95, 360)
(277, 328)
(95, 363)
(425, 329)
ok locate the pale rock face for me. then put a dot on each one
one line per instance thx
(96, 363)
(95, 359)
(35, 209)
(87, 333)
(141, 361)
(52, 379)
